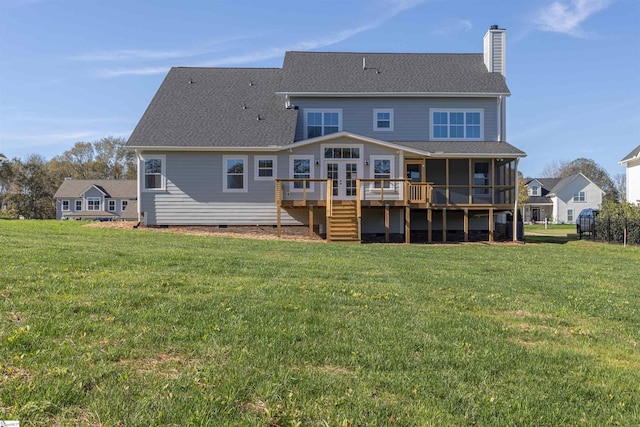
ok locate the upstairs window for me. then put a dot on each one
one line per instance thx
(322, 122)
(456, 124)
(78, 205)
(534, 191)
(383, 119)
(65, 205)
(111, 205)
(123, 204)
(580, 196)
(93, 203)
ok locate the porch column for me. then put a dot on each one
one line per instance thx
(444, 225)
(278, 215)
(466, 225)
(407, 224)
(386, 223)
(429, 225)
(310, 222)
(490, 224)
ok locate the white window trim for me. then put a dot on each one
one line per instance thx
(123, 204)
(62, 202)
(375, 119)
(109, 202)
(163, 172)
(570, 215)
(312, 172)
(93, 199)
(576, 197)
(306, 112)
(78, 203)
(245, 174)
(456, 110)
(392, 175)
(342, 145)
(256, 175)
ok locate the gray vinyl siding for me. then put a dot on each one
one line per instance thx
(411, 115)
(194, 194)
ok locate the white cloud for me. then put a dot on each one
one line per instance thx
(459, 26)
(393, 8)
(566, 17)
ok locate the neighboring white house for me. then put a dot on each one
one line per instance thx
(632, 164)
(560, 200)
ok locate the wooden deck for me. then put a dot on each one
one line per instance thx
(343, 217)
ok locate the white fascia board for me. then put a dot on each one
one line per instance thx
(395, 94)
(93, 186)
(355, 136)
(437, 155)
(175, 148)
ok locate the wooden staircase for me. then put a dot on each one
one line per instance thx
(343, 224)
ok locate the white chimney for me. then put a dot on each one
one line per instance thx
(495, 52)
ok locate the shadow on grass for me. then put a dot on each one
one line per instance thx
(547, 239)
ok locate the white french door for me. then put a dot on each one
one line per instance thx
(343, 175)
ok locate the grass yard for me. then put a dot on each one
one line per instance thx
(560, 230)
(115, 327)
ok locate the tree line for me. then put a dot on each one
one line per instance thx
(27, 186)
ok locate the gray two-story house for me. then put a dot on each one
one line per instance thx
(350, 144)
(90, 199)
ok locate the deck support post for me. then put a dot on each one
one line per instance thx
(279, 216)
(386, 223)
(429, 225)
(444, 225)
(490, 224)
(407, 224)
(310, 222)
(466, 225)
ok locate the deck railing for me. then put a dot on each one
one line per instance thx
(306, 191)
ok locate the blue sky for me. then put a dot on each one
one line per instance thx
(80, 70)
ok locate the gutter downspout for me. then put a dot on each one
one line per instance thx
(140, 164)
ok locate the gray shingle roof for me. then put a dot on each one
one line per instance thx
(466, 148)
(115, 188)
(216, 107)
(634, 153)
(305, 72)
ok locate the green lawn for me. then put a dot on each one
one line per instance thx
(561, 230)
(136, 328)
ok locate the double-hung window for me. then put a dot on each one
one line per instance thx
(65, 205)
(322, 122)
(93, 203)
(265, 168)
(123, 205)
(154, 173)
(78, 205)
(235, 173)
(580, 196)
(383, 119)
(381, 168)
(456, 124)
(569, 215)
(301, 168)
(111, 205)
(534, 191)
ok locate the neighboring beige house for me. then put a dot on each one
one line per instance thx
(632, 165)
(90, 199)
(560, 200)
